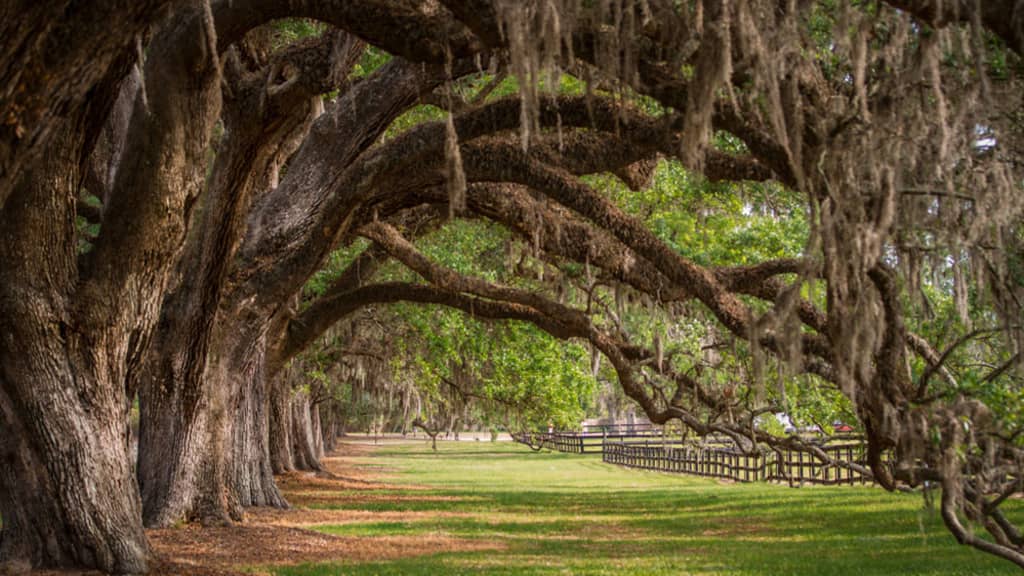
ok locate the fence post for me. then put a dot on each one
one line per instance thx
(849, 460)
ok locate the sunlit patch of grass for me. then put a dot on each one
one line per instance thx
(569, 514)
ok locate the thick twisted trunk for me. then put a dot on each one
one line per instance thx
(180, 441)
(67, 493)
(229, 468)
(184, 469)
(290, 231)
(203, 401)
(76, 328)
(281, 459)
(236, 356)
(305, 432)
(242, 372)
(180, 467)
(49, 519)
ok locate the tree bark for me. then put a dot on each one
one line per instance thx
(182, 467)
(318, 434)
(304, 432)
(236, 352)
(281, 459)
(330, 428)
(250, 477)
(180, 461)
(54, 53)
(67, 493)
(75, 329)
(50, 520)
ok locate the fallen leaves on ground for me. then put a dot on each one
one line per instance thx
(277, 537)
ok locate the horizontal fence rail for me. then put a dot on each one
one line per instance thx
(647, 448)
(789, 466)
(591, 440)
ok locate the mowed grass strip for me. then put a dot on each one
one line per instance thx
(569, 514)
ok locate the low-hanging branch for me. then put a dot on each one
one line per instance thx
(624, 357)
(574, 324)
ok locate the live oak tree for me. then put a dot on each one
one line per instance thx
(897, 123)
(77, 327)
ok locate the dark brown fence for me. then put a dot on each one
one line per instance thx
(846, 458)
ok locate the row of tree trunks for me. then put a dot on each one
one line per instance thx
(241, 419)
(297, 439)
(77, 328)
(252, 427)
(200, 367)
(231, 431)
(207, 405)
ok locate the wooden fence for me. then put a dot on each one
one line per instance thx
(789, 466)
(589, 441)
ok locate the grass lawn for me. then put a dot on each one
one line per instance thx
(553, 513)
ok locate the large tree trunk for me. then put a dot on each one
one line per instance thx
(250, 475)
(318, 433)
(68, 497)
(76, 328)
(329, 420)
(205, 433)
(188, 466)
(305, 432)
(281, 459)
(231, 467)
(181, 458)
(67, 492)
(179, 435)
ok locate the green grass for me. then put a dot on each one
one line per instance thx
(567, 514)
